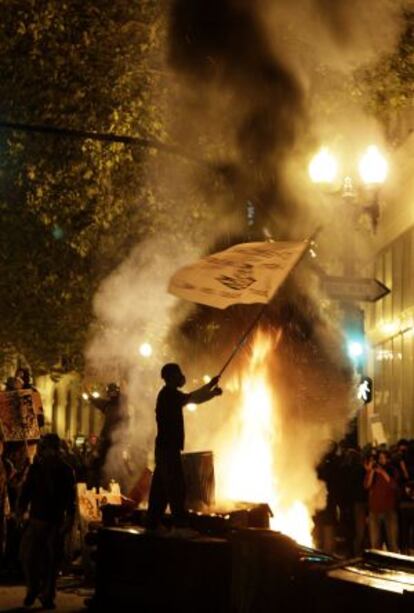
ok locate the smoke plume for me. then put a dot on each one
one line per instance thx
(244, 79)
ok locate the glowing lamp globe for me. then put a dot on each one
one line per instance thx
(355, 349)
(145, 350)
(373, 167)
(192, 407)
(323, 167)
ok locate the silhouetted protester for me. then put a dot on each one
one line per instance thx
(6, 472)
(114, 416)
(354, 502)
(74, 460)
(49, 490)
(326, 521)
(17, 454)
(168, 485)
(92, 461)
(10, 384)
(381, 481)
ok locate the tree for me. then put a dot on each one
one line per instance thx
(387, 87)
(71, 209)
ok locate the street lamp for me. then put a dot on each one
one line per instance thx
(323, 167)
(373, 167)
(373, 171)
(145, 350)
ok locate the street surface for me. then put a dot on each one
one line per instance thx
(70, 600)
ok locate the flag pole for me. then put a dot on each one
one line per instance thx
(259, 315)
(243, 338)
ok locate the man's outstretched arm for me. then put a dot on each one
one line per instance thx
(206, 392)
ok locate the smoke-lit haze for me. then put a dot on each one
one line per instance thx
(244, 78)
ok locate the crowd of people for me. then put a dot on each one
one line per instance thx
(37, 493)
(370, 491)
(15, 461)
(369, 497)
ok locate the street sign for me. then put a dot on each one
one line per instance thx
(355, 289)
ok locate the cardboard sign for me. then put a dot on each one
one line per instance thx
(18, 410)
(87, 504)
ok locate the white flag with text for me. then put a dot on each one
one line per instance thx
(247, 273)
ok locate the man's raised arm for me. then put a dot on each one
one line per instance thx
(206, 392)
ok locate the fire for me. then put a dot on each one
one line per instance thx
(251, 469)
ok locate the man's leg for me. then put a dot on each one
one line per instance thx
(50, 567)
(360, 519)
(391, 530)
(157, 502)
(32, 552)
(374, 530)
(176, 490)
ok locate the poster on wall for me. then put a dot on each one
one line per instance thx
(18, 417)
(378, 433)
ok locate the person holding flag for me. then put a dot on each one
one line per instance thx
(247, 273)
(167, 486)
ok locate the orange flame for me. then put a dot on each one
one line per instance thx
(250, 466)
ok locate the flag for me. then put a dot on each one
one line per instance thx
(247, 273)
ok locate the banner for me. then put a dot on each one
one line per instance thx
(18, 415)
(247, 273)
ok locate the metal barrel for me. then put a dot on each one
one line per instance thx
(199, 479)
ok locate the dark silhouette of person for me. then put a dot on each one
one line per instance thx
(167, 486)
(113, 409)
(49, 490)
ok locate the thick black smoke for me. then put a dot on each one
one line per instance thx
(240, 68)
(241, 75)
(232, 81)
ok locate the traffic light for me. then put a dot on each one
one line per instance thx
(365, 390)
(353, 325)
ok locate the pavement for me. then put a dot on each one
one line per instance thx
(70, 597)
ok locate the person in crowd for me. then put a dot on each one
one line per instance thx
(10, 384)
(92, 461)
(168, 487)
(49, 493)
(381, 481)
(409, 460)
(113, 409)
(402, 446)
(399, 460)
(326, 521)
(17, 454)
(73, 459)
(354, 507)
(6, 473)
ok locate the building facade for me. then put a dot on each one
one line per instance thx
(66, 412)
(389, 322)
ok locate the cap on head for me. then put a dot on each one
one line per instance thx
(170, 371)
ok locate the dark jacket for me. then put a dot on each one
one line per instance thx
(49, 489)
(170, 421)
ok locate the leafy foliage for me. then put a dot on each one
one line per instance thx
(71, 209)
(388, 87)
